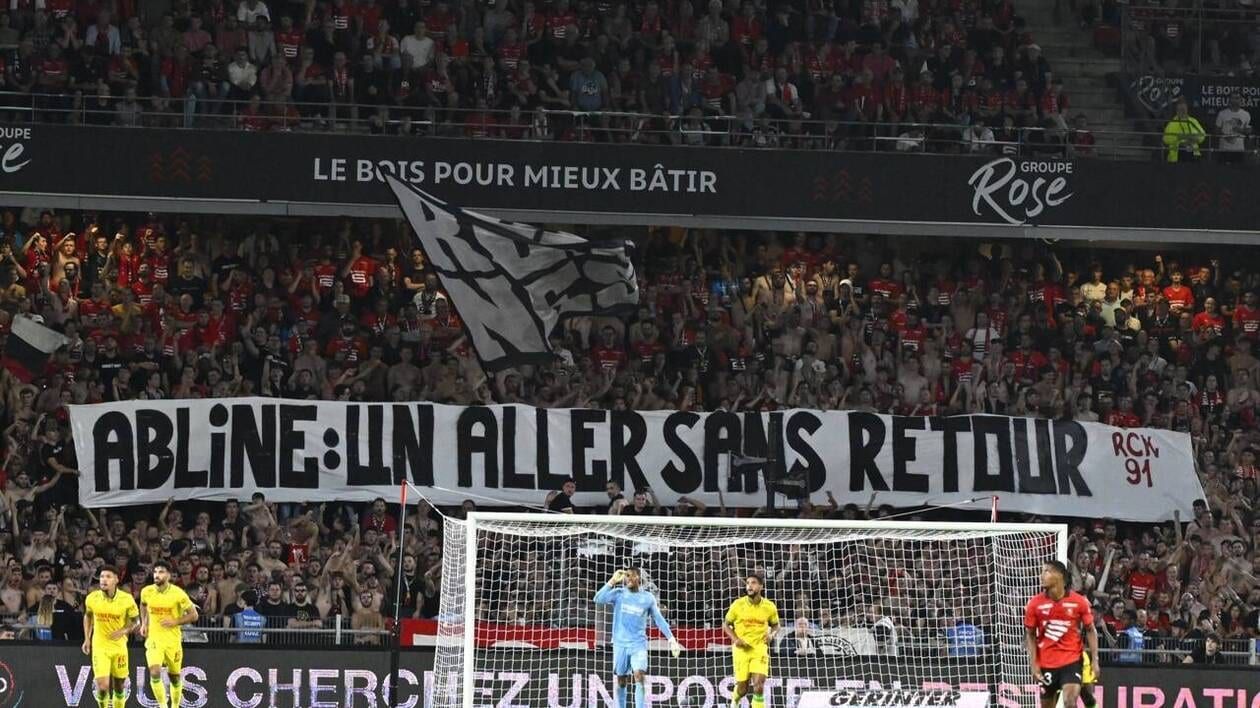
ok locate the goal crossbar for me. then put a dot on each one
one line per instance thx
(987, 528)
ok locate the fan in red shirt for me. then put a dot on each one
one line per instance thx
(608, 354)
(1247, 317)
(1123, 416)
(818, 62)
(746, 28)
(1141, 583)
(1047, 293)
(369, 15)
(1179, 296)
(59, 9)
(1028, 361)
(158, 258)
(358, 272)
(289, 39)
(559, 21)
(913, 334)
(884, 284)
(1053, 620)
(379, 519)
(1209, 320)
(925, 102)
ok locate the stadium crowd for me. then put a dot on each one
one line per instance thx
(162, 307)
(758, 74)
(1174, 38)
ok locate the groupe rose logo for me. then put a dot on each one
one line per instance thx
(10, 694)
(1019, 191)
(13, 149)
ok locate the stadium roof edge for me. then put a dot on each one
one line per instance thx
(192, 205)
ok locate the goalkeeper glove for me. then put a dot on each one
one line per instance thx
(617, 577)
(675, 647)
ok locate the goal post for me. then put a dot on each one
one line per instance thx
(862, 604)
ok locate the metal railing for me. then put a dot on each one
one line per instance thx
(335, 631)
(709, 129)
(1156, 650)
(1242, 653)
(338, 633)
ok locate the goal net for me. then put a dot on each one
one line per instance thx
(869, 605)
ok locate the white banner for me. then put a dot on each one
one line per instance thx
(149, 451)
(893, 698)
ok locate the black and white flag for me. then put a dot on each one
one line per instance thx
(513, 283)
(28, 346)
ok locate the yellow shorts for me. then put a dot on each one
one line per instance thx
(751, 661)
(110, 661)
(1087, 669)
(168, 654)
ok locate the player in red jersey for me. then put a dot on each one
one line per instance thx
(1052, 622)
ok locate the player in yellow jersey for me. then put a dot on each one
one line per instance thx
(1088, 678)
(751, 623)
(164, 609)
(109, 616)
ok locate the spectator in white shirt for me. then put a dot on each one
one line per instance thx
(1233, 125)
(249, 11)
(418, 48)
(242, 76)
(979, 137)
(104, 35)
(1095, 289)
(982, 336)
(911, 140)
(909, 9)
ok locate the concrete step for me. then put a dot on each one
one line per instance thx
(1084, 69)
(1092, 92)
(1053, 52)
(1078, 67)
(1117, 134)
(1098, 114)
(1065, 34)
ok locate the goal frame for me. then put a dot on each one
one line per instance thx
(470, 548)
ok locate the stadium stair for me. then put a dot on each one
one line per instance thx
(1085, 70)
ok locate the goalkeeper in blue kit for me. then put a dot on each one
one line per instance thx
(631, 607)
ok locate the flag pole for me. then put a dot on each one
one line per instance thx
(396, 633)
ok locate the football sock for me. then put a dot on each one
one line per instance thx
(159, 690)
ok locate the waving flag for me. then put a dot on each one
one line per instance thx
(513, 283)
(28, 346)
